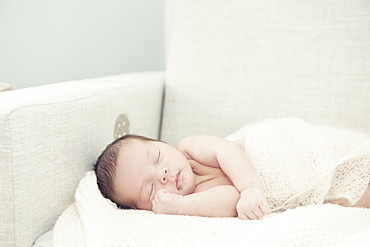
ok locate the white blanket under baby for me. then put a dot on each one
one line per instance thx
(95, 221)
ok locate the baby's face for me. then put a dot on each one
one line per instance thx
(144, 167)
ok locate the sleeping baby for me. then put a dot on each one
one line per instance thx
(262, 168)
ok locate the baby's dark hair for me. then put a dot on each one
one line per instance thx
(106, 164)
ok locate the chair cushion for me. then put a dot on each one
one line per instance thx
(234, 62)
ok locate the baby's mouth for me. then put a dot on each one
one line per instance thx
(178, 183)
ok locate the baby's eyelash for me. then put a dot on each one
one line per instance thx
(151, 191)
(159, 156)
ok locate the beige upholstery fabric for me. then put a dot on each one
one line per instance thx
(233, 62)
(50, 136)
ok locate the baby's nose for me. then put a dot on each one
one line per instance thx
(164, 175)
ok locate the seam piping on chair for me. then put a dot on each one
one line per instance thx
(162, 112)
(150, 81)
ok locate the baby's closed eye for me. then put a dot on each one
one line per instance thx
(158, 156)
(151, 191)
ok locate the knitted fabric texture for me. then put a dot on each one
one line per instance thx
(302, 164)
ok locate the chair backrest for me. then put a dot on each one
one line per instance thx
(239, 61)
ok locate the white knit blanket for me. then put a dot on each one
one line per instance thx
(94, 221)
(300, 164)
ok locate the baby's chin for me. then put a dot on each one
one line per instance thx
(186, 192)
(183, 192)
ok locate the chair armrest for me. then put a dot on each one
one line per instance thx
(49, 137)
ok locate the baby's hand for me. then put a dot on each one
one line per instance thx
(252, 204)
(166, 203)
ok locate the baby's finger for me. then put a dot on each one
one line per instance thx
(154, 206)
(243, 216)
(259, 213)
(266, 208)
(162, 191)
(251, 215)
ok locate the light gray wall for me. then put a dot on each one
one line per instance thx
(47, 41)
(169, 13)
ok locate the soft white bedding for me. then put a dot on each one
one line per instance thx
(94, 221)
(301, 164)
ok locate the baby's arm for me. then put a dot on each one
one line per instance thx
(218, 201)
(233, 160)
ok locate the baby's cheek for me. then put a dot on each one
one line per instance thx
(144, 205)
